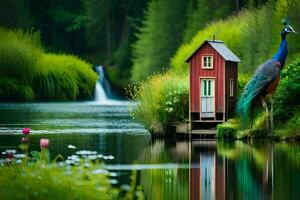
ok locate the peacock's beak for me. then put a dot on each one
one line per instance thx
(293, 31)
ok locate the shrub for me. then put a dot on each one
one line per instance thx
(162, 99)
(83, 74)
(287, 95)
(226, 131)
(64, 77)
(18, 54)
(25, 68)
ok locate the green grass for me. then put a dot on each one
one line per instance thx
(13, 90)
(18, 54)
(64, 77)
(162, 98)
(28, 73)
(227, 130)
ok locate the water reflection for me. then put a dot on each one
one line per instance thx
(221, 170)
(162, 182)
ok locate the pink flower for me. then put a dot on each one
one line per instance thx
(25, 140)
(26, 131)
(44, 143)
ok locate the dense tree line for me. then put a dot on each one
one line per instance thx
(169, 24)
(118, 33)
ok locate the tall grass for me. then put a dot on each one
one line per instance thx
(11, 89)
(63, 77)
(18, 54)
(28, 73)
(162, 98)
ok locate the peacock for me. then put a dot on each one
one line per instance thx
(263, 83)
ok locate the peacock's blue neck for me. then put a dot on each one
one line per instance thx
(282, 52)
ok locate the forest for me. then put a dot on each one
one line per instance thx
(132, 38)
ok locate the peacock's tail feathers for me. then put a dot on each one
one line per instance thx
(250, 94)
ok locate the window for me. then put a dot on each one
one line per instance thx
(207, 87)
(207, 97)
(207, 62)
(231, 88)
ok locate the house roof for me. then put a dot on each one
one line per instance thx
(221, 48)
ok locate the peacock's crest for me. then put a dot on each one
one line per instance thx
(285, 21)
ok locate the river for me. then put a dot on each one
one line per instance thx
(166, 169)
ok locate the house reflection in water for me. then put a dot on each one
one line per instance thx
(207, 172)
(236, 170)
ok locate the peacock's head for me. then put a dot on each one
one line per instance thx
(287, 28)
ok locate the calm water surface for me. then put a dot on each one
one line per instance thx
(165, 169)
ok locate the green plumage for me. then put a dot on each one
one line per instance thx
(256, 86)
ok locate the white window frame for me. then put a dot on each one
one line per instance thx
(231, 84)
(211, 62)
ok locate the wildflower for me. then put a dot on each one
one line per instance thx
(25, 140)
(26, 131)
(44, 143)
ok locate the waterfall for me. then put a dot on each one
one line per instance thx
(100, 94)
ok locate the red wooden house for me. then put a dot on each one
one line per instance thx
(213, 82)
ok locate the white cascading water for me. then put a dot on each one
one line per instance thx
(100, 95)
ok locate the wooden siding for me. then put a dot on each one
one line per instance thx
(196, 72)
(231, 72)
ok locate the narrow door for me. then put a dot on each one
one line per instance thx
(207, 97)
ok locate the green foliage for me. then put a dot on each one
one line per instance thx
(119, 77)
(201, 12)
(18, 54)
(258, 133)
(288, 93)
(27, 73)
(254, 35)
(226, 131)
(49, 181)
(110, 28)
(158, 38)
(13, 90)
(231, 36)
(162, 98)
(243, 79)
(260, 121)
(64, 77)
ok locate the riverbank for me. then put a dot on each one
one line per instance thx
(163, 99)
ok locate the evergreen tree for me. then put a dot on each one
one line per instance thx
(159, 37)
(201, 12)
